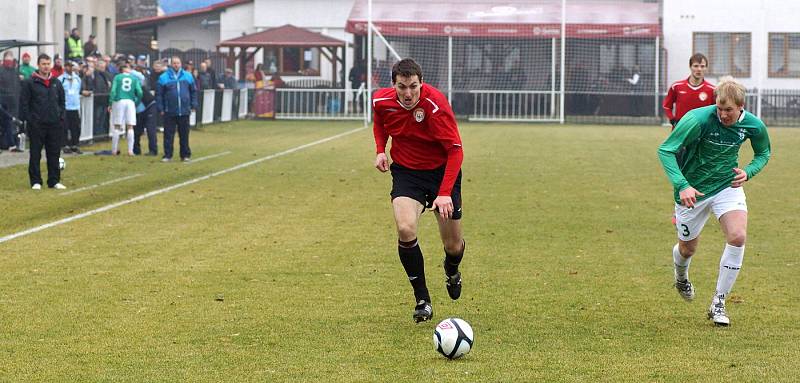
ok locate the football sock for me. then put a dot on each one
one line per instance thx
(729, 266)
(451, 261)
(414, 264)
(114, 140)
(681, 264)
(129, 139)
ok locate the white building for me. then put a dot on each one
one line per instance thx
(756, 41)
(48, 20)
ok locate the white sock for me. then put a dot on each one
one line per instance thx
(130, 141)
(114, 140)
(681, 264)
(729, 266)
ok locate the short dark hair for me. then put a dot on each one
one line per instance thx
(406, 67)
(698, 58)
(43, 56)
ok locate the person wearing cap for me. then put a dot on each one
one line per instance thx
(71, 82)
(230, 81)
(90, 47)
(26, 69)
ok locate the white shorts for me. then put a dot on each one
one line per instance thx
(123, 112)
(689, 222)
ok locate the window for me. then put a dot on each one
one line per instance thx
(79, 24)
(67, 22)
(728, 53)
(109, 37)
(294, 61)
(40, 32)
(784, 55)
(94, 26)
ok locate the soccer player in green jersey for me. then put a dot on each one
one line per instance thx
(126, 91)
(709, 179)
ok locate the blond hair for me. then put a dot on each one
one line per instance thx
(729, 90)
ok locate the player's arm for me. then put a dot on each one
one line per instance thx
(114, 91)
(669, 101)
(762, 151)
(381, 138)
(687, 130)
(445, 130)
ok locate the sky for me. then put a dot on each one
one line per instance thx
(172, 6)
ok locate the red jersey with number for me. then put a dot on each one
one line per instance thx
(424, 137)
(686, 97)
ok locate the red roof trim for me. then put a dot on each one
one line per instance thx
(146, 21)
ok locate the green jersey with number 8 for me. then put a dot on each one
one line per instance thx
(126, 87)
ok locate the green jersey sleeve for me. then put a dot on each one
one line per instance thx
(687, 131)
(762, 152)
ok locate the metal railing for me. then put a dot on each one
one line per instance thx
(316, 104)
(514, 105)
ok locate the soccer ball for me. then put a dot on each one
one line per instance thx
(453, 338)
(61, 163)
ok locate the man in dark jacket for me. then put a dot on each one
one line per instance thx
(176, 99)
(42, 106)
(9, 101)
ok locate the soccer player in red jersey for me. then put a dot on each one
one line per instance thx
(690, 93)
(426, 173)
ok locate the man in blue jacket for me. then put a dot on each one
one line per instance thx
(176, 98)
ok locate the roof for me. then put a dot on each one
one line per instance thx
(508, 18)
(153, 20)
(284, 36)
(8, 44)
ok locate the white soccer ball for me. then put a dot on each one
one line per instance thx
(453, 338)
(61, 163)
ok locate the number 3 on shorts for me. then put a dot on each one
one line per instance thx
(685, 230)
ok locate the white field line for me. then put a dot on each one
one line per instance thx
(101, 184)
(209, 157)
(173, 187)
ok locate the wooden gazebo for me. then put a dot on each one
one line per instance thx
(245, 47)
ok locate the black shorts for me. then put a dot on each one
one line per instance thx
(423, 186)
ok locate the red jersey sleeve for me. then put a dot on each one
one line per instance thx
(444, 129)
(669, 101)
(380, 132)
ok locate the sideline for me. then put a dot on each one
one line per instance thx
(208, 157)
(173, 187)
(102, 184)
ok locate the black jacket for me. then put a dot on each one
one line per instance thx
(42, 105)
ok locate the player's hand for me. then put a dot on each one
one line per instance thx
(739, 178)
(381, 162)
(689, 196)
(444, 206)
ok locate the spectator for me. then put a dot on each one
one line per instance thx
(9, 101)
(276, 81)
(58, 67)
(176, 98)
(258, 76)
(145, 117)
(90, 48)
(357, 77)
(229, 80)
(204, 79)
(75, 45)
(71, 83)
(109, 66)
(42, 106)
(101, 87)
(26, 69)
(211, 72)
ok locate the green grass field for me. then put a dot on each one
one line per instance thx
(287, 270)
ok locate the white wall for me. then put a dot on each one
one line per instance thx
(759, 17)
(328, 17)
(237, 19)
(187, 32)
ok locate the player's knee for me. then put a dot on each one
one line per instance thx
(453, 246)
(406, 231)
(737, 238)
(687, 250)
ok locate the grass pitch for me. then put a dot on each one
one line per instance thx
(287, 270)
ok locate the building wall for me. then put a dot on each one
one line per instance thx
(237, 20)
(759, 17)
(188, 32)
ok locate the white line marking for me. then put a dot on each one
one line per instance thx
(173, 187)
(209, 157)
(101, 184)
